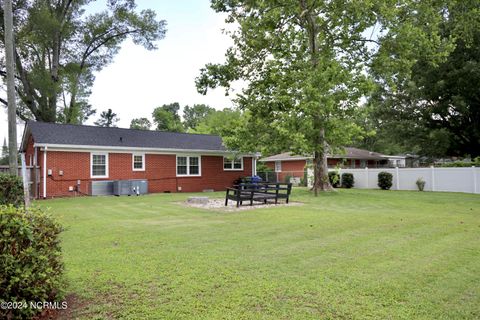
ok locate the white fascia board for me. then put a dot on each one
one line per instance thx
(86, 148)
(393, 157)
(284, 159)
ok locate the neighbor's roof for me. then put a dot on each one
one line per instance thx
(52, 134)
(350, 153)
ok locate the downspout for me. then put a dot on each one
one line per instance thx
(45, 172)
(35, 174)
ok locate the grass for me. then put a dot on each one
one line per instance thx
(353, 254)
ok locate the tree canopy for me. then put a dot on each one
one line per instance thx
(195, 114)
(59, 47)
(431, 105)
(302, 63)
(166, 118)
(107, 119)
(141, 124)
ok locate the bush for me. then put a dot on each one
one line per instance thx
(11, 190)
(30, 259)
(385, 180)
(287, 178)
(334, 178)
(420, 184)
(459, 164)
(347, 180)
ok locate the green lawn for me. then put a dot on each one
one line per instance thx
(353, 254)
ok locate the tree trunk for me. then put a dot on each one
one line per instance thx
(12, 105)
(320, 166)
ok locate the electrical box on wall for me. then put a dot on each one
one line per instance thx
(49, 172)
(60, 173)
(70, 188)
(179, 188)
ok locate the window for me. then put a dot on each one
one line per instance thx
(278, 166)
(99, 165)
(138, 162)
(188, 166)
(232, 164)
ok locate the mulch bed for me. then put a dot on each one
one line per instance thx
(219, 205)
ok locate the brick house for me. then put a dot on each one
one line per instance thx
(287, 164)
(69, 158)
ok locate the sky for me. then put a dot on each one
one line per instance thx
(139, 80)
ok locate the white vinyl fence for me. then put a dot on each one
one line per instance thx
(437, 179)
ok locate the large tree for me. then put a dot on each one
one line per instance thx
(193, 115)
(140, 124)
(107, 119)
(166, 118)
(427, 72)
(59, 47)
(301, 61)
(425, 101)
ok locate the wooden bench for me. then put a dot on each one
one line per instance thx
(260, 192)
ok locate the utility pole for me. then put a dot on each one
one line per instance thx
(12, 104)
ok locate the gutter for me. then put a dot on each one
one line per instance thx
(45, 172)
(73, 148)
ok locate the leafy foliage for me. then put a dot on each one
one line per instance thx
(30, 259)
(5, 153)
(107, 119)
(303, 83)
(474, 163)
(166, 118)
(427, 72)
(11, 190)
(385, 180)
(59, 47)
(334, 178)
(420, 184)
(140, 123)
(192, 116)
(347, 180)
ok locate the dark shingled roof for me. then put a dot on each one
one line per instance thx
(75, 135)
(350, 153)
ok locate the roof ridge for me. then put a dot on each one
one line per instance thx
(128, 129)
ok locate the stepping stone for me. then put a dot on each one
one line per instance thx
(198, 200)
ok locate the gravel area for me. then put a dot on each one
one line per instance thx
(219, 204)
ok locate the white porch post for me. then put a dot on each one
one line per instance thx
(45, 172)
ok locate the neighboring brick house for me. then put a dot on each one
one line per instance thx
(288, 165)
(69, 158)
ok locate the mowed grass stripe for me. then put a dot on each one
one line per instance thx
(353, 254)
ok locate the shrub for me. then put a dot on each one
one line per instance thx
(30, 259)
(347, 180)
(11, 190)
(287, 178)
(420, 184)
(385, 180)
(334, 178)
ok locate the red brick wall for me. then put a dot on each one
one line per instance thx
(294, 168)
(160, 171)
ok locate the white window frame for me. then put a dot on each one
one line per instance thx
(278, 166)
(106, 164)
(133, 161)
(232, 166)
(188, 156)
